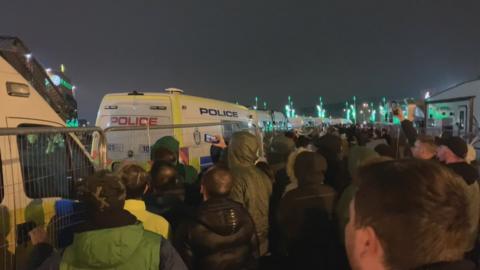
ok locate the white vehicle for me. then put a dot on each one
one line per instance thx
(312, 121)
(296, 122)
(456, 109)
(280, 121)
(36, 168)
(269, 121)
(340, 121)
(172, 108)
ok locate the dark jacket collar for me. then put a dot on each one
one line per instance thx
(106, 220)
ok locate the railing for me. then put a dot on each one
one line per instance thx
(133, 143)
(39, 167)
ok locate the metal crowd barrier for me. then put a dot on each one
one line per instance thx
(39, 168)
(133, 143)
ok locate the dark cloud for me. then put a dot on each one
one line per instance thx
(234, 50)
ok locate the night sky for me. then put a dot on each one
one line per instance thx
(234, 50)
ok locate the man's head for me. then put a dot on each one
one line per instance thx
(407, 214)
(310, 168)
(359, 156)
(329, 144)
(452, 149)
(217, 182)
(424, 148)
(166, 142)
(163, 176)
(135, 179)
(103, 192)
(164, 155)
(280, 149)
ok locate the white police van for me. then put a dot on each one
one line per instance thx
(191, 120)
(37, 168)
(269, 121)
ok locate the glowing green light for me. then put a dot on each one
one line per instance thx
(72, 123)
(66, 85)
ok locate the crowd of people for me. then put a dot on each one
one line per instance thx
(345, 198)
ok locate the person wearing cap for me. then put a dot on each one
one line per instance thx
(452, 152)
(110, 237)
(188, 173)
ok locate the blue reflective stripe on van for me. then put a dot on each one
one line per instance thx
(206, 162)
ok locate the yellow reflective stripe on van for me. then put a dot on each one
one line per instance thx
(177, 118)
(195, 162)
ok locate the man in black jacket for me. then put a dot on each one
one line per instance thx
(221, 235)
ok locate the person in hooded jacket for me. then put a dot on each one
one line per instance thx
(110, 238)
(221, 234)
(187, 173)
(251, 187)
(306, 214)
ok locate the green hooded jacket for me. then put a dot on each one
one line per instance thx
(128, 247)
(188, 172)
(252, 187)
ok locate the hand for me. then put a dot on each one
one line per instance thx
(400, 114)
(221, 142)
(38, 236)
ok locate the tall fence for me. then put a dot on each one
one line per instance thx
(192, 141)
(39, 168)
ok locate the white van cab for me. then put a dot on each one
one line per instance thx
(38, 163)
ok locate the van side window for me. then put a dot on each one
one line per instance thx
(229, 128)
(44, 161)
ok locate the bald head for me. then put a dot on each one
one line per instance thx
(217, 182)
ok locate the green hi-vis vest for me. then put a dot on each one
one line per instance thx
(128, 247)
